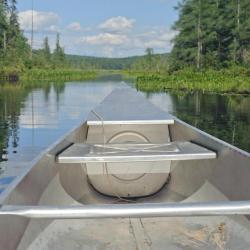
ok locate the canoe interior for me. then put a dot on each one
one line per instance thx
(50, 183)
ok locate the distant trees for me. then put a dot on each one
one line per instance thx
(59, 55)
(46, 49)
(13, 45)
(43, 58)
(151, 62)
(212, 33)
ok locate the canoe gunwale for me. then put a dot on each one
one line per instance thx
(48, 152)
(211, 138)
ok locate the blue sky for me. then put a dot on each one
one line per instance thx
(112, 28)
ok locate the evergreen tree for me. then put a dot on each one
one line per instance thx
(3, 25)
(149, 58)
(59, 55)
(212, 33)
(46, 49)
(188, 43)
(14, 30)
(244, 30)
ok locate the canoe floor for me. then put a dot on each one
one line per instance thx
(221, 232)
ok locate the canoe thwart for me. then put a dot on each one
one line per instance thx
(129, 122)
(84, 153)
(129, 210)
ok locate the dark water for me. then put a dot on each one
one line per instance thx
(31, 118)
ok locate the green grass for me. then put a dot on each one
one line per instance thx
(58, 75)
(49, 74)
(235, 80)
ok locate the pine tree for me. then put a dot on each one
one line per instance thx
(46, 49)
(14, 30)
(59, 55)
(189, 43)
(149, 58)
(244, 31)
(212, 33)
(3, 25)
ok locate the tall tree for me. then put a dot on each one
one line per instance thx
(188, 43)
(244, 30)
(46, 49)
(149, 58)
(14, 30)
(59, 55)
(212, 33)
(3, 25)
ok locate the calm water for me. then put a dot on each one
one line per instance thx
(33, 118)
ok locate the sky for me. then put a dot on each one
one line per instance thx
(104, 28)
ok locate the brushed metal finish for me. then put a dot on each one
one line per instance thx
(179, 151)
(132, 122)
(126, 106)
(131, 211)
(229, 173)
(128, 179)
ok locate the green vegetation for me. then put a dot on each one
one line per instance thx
(212, 34)
(211, 50)
(134, 63)
(14, 50)
(235, 80)
(58, 75)
(224, 116)
(17, 57)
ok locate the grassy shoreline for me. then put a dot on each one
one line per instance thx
(51, 74)
(57, 75)
(235, 81)
(211, 81)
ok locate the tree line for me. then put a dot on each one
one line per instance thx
(212, 33)
(44, 58)
(15, 51)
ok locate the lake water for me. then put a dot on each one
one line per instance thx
(32, 118)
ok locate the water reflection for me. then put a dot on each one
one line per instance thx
(31, 118)
(224, 116)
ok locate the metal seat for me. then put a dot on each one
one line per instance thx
(84, 153)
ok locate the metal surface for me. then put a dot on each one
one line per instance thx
(82, 153)
(126, 106)
(144, 178)
(131, 211)
(132, 122)
(229, 174)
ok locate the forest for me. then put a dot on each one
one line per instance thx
(212, 33)
(211, 51)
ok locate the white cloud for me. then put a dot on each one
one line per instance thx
(157, 39)
(104, 39)
(117, 24)
(75, 26)
(113, 40)
(121, 45)
(42, 20)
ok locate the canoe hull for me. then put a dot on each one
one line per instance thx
(45, 182)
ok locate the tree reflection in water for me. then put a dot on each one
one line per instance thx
(12, 99)
(224, 116)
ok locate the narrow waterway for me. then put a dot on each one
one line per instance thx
(32, 118)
